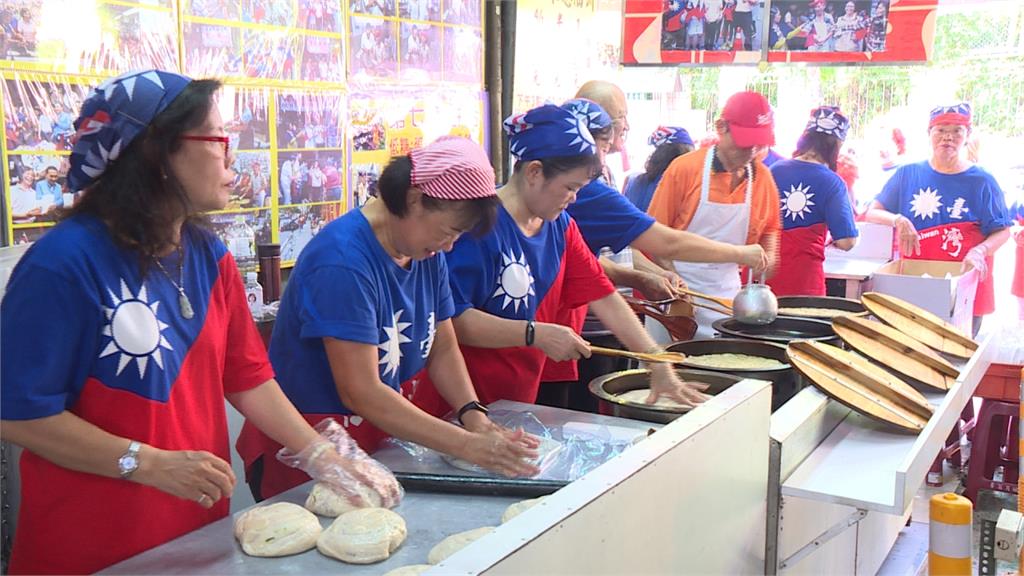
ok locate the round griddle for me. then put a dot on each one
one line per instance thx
(783, 379)
(846, 304)
(784, 329)
(607, 388)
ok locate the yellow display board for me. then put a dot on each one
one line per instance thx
(318, 94)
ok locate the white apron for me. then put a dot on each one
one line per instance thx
(727, 223)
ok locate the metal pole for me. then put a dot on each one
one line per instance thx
(499, 58)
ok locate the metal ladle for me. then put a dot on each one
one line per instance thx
(755, 303)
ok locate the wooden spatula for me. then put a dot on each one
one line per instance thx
(659, 358)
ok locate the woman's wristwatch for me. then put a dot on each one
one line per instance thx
(474, 405)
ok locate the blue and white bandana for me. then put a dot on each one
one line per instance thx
(669, 135)
(593, 116)
(548, 131)
(958, 114)
(113, 115)
(828, 120)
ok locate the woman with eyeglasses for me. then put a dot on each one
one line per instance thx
(946, 207)
(124, 329)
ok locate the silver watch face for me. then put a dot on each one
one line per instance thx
(128, 463)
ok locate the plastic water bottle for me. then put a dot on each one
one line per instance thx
(242, 243)
(254, 295)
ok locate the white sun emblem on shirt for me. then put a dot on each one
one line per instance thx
(926, 203)
(134, 330)
(515, 281)
(392, 344)
(797, 201)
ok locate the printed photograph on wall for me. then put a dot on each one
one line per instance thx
(420, 10)
(251, 186)
(271, 54)
(309, 177)
(829, 26)
(372, 7)
(323, 15)
(309, 119)
(462, 12)
(244, 111)
(462, 53)
(269, 12)
(258, 220)
(37, 186)
(300, 223)
(421, 51)
(40, 114)
(220, 9)
(373, 45)
(322, 59)
(363, 180)
(212, 50)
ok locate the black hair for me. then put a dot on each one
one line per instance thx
(555, 165)
(662, 156)
(478, 214)
(138, 196)
(825, 146)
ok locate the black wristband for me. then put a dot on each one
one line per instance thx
(474, 405)
(531, 332)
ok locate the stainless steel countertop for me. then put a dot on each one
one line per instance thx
(429, 518)
(213, 549)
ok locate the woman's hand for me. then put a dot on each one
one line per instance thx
(975, 258)
(661, 286)
(909, 239)
(344, 474)
(507, 452)
(198, 476)
(754, 257)
(559, 342)
(664, 382)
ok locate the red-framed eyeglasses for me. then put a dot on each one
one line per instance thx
(222, 139)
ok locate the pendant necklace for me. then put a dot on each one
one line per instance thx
(184, 305)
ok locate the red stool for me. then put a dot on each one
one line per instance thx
(951, 451)
(996, 420)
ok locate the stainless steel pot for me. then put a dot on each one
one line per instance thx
(755, 303)
(607, 388)
(785, 381)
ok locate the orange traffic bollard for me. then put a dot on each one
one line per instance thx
(949, 535)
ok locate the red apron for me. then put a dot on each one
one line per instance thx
(1017, 286)
(801, 262)
(950, 243)
(277, 477)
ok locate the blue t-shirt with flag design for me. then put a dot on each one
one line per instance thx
(811, 194)
(607, 218)
(346, 286)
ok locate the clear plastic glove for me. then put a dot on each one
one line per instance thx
(665, 382)
(975, 258)
(336, 460)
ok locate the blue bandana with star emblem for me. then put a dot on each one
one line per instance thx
(593, 116)
(828, 120)
(548, 131)
(346, 286)
(113, 115)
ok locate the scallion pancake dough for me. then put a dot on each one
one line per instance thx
(815, 312)
(640, 395)
(363, 536)
(326, 502)
(280, 529)
(410, 570)
(518, 508)
(456, 542)
(732, 361)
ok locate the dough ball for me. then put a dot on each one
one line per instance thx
(518, 508)
(456, 542)
(324, 501)
(280, 529)
(410, 570)
(363, 536)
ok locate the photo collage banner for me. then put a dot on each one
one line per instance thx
(318, 95)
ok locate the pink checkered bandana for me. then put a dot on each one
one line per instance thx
(453, 168)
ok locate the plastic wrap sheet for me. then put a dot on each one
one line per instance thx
(566, 453)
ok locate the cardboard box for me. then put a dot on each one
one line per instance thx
(924, 283)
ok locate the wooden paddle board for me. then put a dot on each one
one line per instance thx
(919, 324)
(855, 382)
(897, 351)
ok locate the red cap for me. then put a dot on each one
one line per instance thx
(453, 168)
(750, 119)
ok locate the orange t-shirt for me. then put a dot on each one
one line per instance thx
(676, 199)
